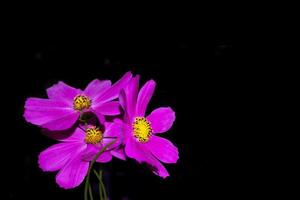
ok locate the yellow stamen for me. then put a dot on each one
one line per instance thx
(81, 102)
(142, 129)
(93, 135)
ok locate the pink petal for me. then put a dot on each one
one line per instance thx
(73, 173)
(144, 97)
(113, 92)
(113, 131)
(56, 156)
(62, 91)
(105, 157)
(50, 114)
(96, 88)
(92, 150)
(77, 136)
(158, 168)
(108, 108)
(119, 153)
(111, 143)
(69, 135)
(140, 153)
(128, 97)
(100, 116)
(161, 119)
(162, 149)
(134, 150)
(123, 130)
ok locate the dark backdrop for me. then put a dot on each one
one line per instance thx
(190, 57)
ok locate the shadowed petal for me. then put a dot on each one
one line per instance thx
(90, 152)
(105, 157)
(119, 153)
(134, 150)
(113, 92)
(62, 91)
(144, 97)
(113, 131)
(128, 97)
(100, 116)
(56, 156)
(161, 119)
(140, 153)
(96, 88)
(158, 168)
(70, 135)
(73, 173)
(50, 114)
(162, 149)
(108, 108)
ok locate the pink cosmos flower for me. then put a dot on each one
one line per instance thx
(72, 155)
(65, 103)
(141, 140)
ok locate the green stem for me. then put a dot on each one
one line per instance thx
(87, 180)
(90, 192)
(102, 185)
(100, 188)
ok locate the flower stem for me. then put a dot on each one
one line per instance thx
(87, 180)
(90, 192)
(102, 185)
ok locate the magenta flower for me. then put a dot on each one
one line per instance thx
(72, 156)
(65, 103)
(141, 140)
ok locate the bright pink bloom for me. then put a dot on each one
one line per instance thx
(141, 140)
(72, 156)
(65, 103)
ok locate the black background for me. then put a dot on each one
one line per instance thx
(187, 52)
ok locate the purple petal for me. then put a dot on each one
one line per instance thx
(121, 129)
(161, 119)
(96, 88)
(73, 173)
(77, 136)
(108, 108)
(56, 156)
(50, 114)
(119, 153)
(158, 168)
(70, 135)
(144, 97)
(113, 131)
(105, 157)
(62, 91)
(100, 116)
(162, 149)
(113, 92)
(128, 97)
(140, 153)
(134, 150)
(91, 151)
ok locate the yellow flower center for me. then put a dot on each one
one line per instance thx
(81, 102)
(141, 129)
(93, 135)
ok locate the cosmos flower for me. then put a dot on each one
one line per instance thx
(72, 155)
(141, 140)
(65, 103)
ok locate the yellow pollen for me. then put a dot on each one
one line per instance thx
(142, 129)
(81, 102)
(93, 135)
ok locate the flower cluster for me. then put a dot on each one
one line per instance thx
(102, 116)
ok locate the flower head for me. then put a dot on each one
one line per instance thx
(65, 104)
(141, 140)
(72, 155)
